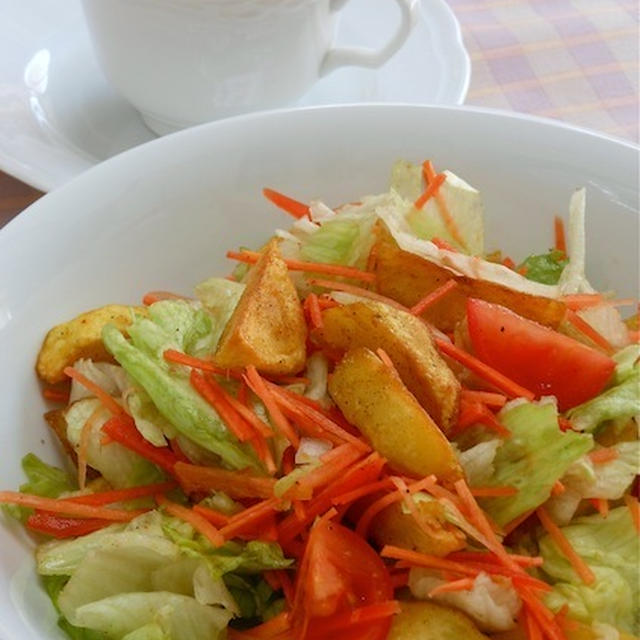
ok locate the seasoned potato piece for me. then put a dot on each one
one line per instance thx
(58, 423)
(409, 345)
(407, 278)
(428, 621)
(575, 631)
(267, 328)
(375, 400)
(439, 538)
(80, 338)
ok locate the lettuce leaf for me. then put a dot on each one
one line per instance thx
(545, 268)
(620, 402)
(151, 631)
(626, 361)
(532, 459)
(219, 297)
(610, 547)
(171, 392)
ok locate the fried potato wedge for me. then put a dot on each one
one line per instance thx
(267, 328)
(408, 343)
(438, 538)
(422, 620)
(58, 423)
(575, 631)
(80, 338)
(373, 398)
(407, 278)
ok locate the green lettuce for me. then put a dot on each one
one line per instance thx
(611, 549)
(151, 631)
(619, 403)
(219, 297)
(171, 392)
(535, 455)
(626, 361)
(546, 267)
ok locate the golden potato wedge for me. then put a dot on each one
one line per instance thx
(439, 538)
(422, 620)
(407, 278)
(408, 343)
(374, 399)
(267, 328)
(80, 338)
(575, 631)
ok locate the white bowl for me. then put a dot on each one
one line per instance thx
(161, 216)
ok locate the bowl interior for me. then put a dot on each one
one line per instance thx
(162, 216)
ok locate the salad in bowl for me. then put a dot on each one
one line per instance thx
(373, 428)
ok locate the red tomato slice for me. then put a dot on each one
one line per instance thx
(342, 572)
(538, 358)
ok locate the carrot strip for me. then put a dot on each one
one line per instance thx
(357, 291)
(486, 556)
(251, 257)
(432, 297)
(463, 584)
(430, 175)
(250, 416)
(67, 508)
(430, 191)
(494, 400)
(171, 355)
(155, 296)
(533, 629)
(360, 492)
(509, 263)
(634, 508)
(493, 492)
(558, 488)
(417, 559)
(293, 207)
(216, 518)
(59, 527)
(443, 244)
(121, 495)
(516, 522)
(313, 307)
(341, 622)
(586, 329)
(83, 447)
(212, 392)
(472, 413)
(237, 484)
(577, 301)
(508, 386)
(559, 235)
(56, 395)
(257, 384)
(601, 505)
(601, 456)
(384, 356)
(580, 566)
(249, 516)
(543, 616)
(108, 402)
(200, 524)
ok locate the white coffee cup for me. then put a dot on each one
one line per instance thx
(184, 62)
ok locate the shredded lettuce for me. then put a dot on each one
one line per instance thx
(610, 547)
(477, 461)
(151, 631)
(172, 394)
(626, 360)
(334, 242)
(109, 377)
(318, 373)
(219, 297)
(546, 268)
(151, 424)
(535, 455)
(620, 402)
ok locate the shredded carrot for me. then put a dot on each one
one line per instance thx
(56, 395)
(509, 263)
(542, 615)
(360, 492)
(487, 556)
(434, 296)
(558, 232)
(121, 495)
(212, 392)
(261, 447)
(558, 488)
(508, 386)
(564, 424)
(108, 401)
(155, 296)
(387, 361)
(250, 416)
(357, 291)
(212, 515)
(312, 305)
(601, 505)
(634, 508)
(261, 388)
(237, 484)
(293, 207)
(577, 301)
(580, 566)
(586, 329)
(516, 522)
(417, 559)
(430, 191)
(473, 413)
(325, 301)
(68, 508)
(606, 454)
(327, 268)
(342, 622)
(171, 355)
(410, 504)
(249, 517)
(533, 628)
(200, 524)
(463, 584)
(83, 448)
(494, 400)
(430, 175)
(444, 245)
(493, 492)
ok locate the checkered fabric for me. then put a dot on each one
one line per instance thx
(575, 60)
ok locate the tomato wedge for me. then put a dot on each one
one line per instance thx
(538, 358)
(340, 572)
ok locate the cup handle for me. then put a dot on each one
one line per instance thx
(361, 57)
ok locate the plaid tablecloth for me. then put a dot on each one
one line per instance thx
(575, 60)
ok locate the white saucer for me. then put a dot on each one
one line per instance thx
(58, 116)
